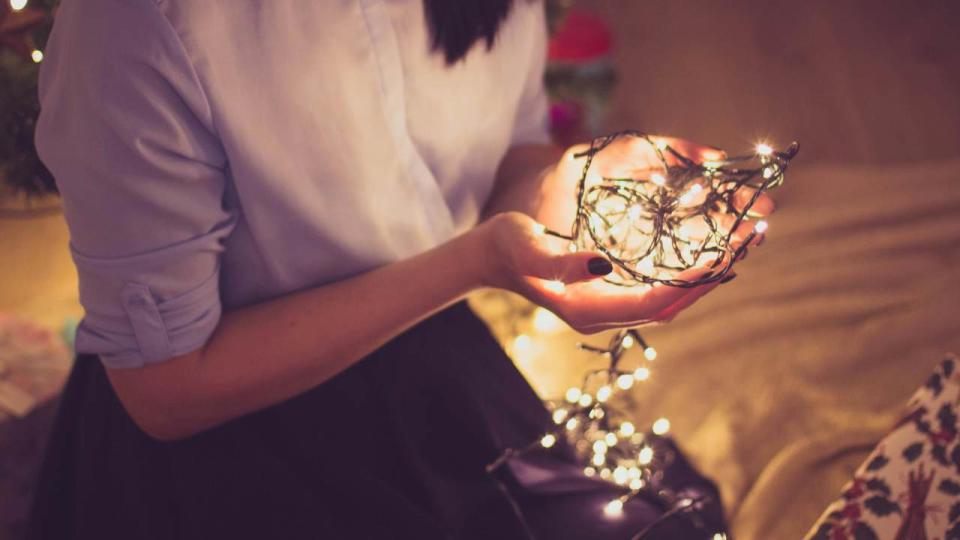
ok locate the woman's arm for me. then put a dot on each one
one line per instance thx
(263, 354)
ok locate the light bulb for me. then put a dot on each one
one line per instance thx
(36, 56)
(764, 149)
(572, 424)
(17, 5)
(599, 459)
(761, 227)
(645, 456)
(625, 381)
(585, 400)
(610, 439)
(641, 374)
(661, 426)
(636, 484)
(559, 415)
(650, 354)
(658, 179)
(627, 429)
(573, 394)
(620, 475)
(603, 393)
(539, 228)
(589, 471)
(613, 509)
(548, 440)
(599, 447)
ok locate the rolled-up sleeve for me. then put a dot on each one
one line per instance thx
(127, 131)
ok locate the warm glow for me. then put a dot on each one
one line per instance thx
(37, 56)
(603, 393)
(585, 400)
(572, 423)
(599, 447)
(522, 346)
(17, 5)
(589, 471)
(556, 287)
(658, 179)
(645, 456)
(548, 440)
(661, 426)
(613, 509)
(539, 228)
(627, 341)
(625, 381)
(545, 321)
(627, 429)
(764, 149)
(573, 394)
(641, 374)
(610, 439)
(761, 227)
(650, 354)
(636, 484)
(559, 415)
(598, 459)
(620, 475)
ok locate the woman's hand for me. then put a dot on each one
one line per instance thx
(525, 260)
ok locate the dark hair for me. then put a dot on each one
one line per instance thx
(455, 25)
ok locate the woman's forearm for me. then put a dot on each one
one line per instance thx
(264, 354)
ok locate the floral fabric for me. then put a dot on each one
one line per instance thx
(909, 487)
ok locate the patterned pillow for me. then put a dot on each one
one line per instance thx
(909, 487)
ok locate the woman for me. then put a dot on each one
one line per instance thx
(276, 209)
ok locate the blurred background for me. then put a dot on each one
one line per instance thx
(780, 382)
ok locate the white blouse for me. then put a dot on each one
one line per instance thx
(222, 152)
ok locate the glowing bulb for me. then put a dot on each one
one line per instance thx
(636, 484)
(573, 394)
(641, 374)
(17, 5)
(545, 321)
(658, 179)
(599, 447)
(625, 381)
(661, 426)
(572, 424)
(539, 228)
(599, 459)
(645, 456)
(610, 439)
(634, 472)
(589, 472)
(650, 354)
(627, 429)
(605, 473)
(764, 149)
(627, 341)
(661, 144)
(620, 475)
(556, 287)
(613, 509)
(36, 56)
(559, 415)
(522, 346)
(585, 400)
(572, 248)
(761, 227)
(548, 440)
(719, 536)
(603, 393)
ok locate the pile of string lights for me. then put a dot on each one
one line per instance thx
(681, 213)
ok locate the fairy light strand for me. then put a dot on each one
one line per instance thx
(615, 216)
(639, 223)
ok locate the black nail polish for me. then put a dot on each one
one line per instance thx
(728, 279)
(599, 266)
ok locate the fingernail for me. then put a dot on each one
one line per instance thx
(599, 266)
(728, 279)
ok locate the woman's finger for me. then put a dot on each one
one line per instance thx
(763, 206)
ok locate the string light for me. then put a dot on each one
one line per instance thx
(37, 56)
(17, 5)
(666, 219)
(650, 227)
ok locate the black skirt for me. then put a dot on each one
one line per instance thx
(394, 447)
